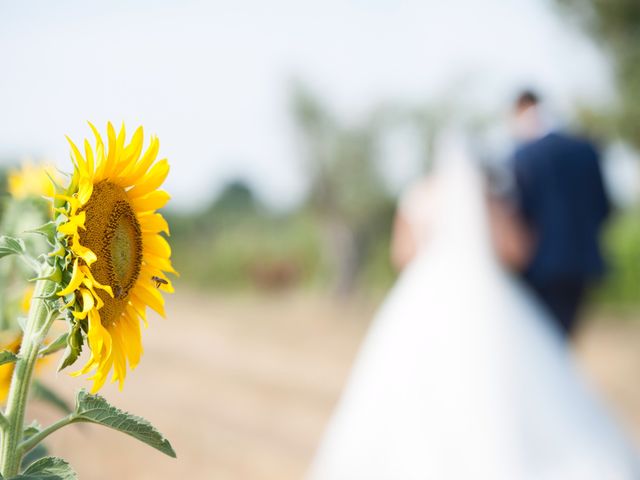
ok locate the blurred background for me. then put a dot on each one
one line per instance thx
(291, 128)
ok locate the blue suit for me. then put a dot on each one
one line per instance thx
(562, 197)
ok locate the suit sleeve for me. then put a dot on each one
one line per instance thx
(603, 204)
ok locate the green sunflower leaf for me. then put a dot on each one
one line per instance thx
(7, 356)
(48, 230)
(75, 341)
(50, 272)
(95, 409)
(55, 346)
(37, 453)
(31, 429)
(48, 468)
(11, 246)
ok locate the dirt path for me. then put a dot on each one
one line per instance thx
(243, 387)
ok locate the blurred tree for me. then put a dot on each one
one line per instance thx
(617, 24)
(235, 197)
(235, 203)
(347, 193)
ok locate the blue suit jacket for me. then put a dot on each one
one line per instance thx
(562, 197)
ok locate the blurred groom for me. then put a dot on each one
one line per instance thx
(562, 200)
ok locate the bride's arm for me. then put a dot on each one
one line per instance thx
(512, 239)
(403, 242)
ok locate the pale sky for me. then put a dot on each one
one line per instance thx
(212, 78)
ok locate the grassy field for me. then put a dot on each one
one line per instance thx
(244, 385)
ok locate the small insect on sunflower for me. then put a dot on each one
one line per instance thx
(111, 250)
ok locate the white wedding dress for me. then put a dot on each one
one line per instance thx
(463, 375)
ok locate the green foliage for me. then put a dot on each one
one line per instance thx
(36, 454)
(48, 231)
(7, 356)
(11, 246)
(621, 286)
(228, 255)
(241, 251)
(347, 192)
(616, 26)
(48, 468)
(55, 346)
(378, 274)
(74, 345)
(95, 409)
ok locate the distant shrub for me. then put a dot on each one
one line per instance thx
(621, 286)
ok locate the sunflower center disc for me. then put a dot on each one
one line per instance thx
(123, 246)
(113, 234)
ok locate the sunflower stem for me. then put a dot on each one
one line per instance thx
(36, 328)
(4, 423)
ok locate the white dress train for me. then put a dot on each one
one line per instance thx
(462, 374)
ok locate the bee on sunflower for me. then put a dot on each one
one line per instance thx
(108, 262)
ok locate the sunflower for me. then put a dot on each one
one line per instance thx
(31, 181)
(113, 248)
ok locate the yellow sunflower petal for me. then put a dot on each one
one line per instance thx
(131, 330)
(100, 377)
(150, 296)
(152, 201)
(89, 275)
(110, 161)
(132, 151)
(145, 162)
(76, 279)
(85, 189)
(138, 307)
(119, 356)
(87, 304)
(149, 273)
(156, 245)
(78, 158)
(151, 180)
(101, 163)
(75, 222)
(96, 134)
(88, 152)
(153, 223)
(160, 263)
(81, 251)
(118, 160)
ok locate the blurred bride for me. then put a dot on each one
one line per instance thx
(461, 375)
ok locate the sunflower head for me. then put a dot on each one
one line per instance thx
(111, 249)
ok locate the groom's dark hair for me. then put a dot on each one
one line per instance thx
(526, 99)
